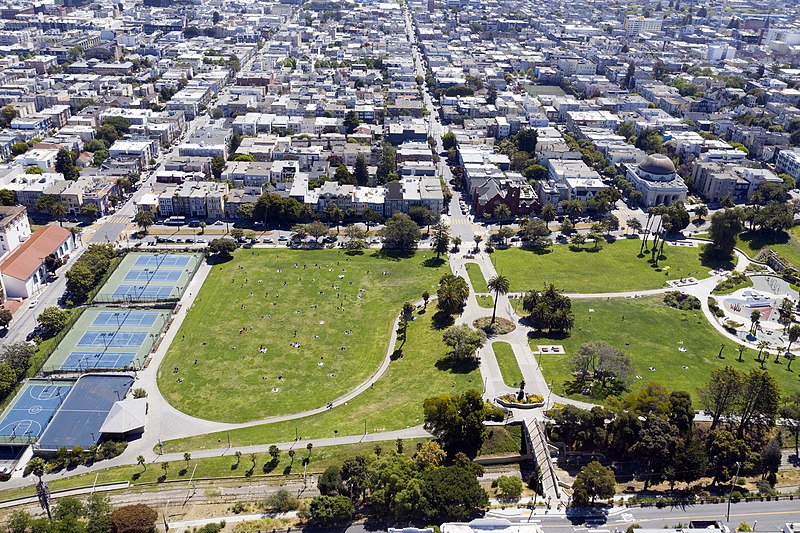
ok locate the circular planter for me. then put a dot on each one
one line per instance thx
(515, 405)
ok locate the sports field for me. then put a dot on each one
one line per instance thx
(654, 336)
(283, 331)
(616, 267)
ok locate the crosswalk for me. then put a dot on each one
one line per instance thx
(118, 220)
(459, 219)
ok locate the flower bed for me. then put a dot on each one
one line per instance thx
(529, 401)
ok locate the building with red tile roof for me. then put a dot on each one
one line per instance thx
(24, 271)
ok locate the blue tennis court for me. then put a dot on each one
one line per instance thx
(154, 275)
(132, 292)
(32, 410)
(98, 361)
(117, 339)
(78, 421)
(171, 261)
(134, 319)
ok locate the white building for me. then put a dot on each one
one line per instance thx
(24, 270)
(636, 25)
(655, 178)
(14, 228)
(789, 162)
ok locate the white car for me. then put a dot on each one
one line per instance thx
(33, 303)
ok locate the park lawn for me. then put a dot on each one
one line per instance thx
(224, 374)
(476, 277)
(393, 402)
(222, 467)
(787, 244)
(616, 267)
(485, 301)
(507, 361)
(650, 335)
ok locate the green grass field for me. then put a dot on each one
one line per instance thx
(614, 268)
(509, 368)
(786, 244)
(485, 301)
(394, 402)
(224, 374)
(651, 334)
(476, 277)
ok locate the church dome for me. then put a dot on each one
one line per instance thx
(657, 165)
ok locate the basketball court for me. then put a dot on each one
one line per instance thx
(32, 410)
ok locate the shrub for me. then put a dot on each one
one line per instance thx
(137, 518)
(679, 300)
(731, 282)
(527, 400)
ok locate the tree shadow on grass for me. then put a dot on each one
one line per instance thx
(287, 470)
(756, 240)
(270, 466)
(392, 255)
(182, 472)
(442, 320)
(218, 259)
(547, 335)
(538, 250)
(433, 262)
(351, 253)
(447, 364)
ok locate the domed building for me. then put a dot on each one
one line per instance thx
(656, 179)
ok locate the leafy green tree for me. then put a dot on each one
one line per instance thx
(351, 122)
(725, 227)
(400, 232)
(53, 319)
(217, 165)
(329, 510)
(720, 394)
(421, 215)
(758, 402)
(508, 487)
(58, 211)
(98, 513)
(452, 293)
(65, 164)
(724, 451)
(609, 368)
(7, 114)
(449, 140)
(592, 482)
(68, 506)
(5, 318)
(451, 494)
(19, 148)
(464, 342)
(458, 421)
(387, 165)
(121, 124)
(143, 219)
(6, 197)
(360, 171)
(343, 175)
(90, 211)
(549, 310)
(223, 246)
(330, 481)
(246, 211)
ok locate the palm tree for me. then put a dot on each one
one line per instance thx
(478, 240)
(187, 457)
(794, 334)
(499, 285)
(238, 455)
(165, 467)
(58, 211)
(741, 351)
(308, 447)
(37, 466)
(291, 456)
(762, 345)
(140, 462)
(456, 242)
(791, 357)
(425, 297)
(755, 317)
(143, 219)
(274, 452)
(548, 214)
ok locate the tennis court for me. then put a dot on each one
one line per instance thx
(144, 276)
(105, 338)
(119, 339)
(32, 410)
(163, 260)
(128, 318)
(154, 275)
(98, 360)
(78, 421)
(136, 292)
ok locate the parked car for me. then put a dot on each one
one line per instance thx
(194, 223)
(33, 303)
(283, 238)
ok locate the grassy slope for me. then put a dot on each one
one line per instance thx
(615, 267)
(504, 354)
(236, 385)
(650, 335)
(786, 244)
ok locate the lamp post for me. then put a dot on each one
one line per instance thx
(730, 494)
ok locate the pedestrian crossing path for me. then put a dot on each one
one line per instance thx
(459, 219)
(118, 220)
